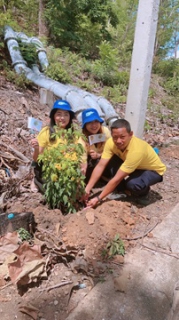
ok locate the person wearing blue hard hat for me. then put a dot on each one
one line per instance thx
(93, 130)
(61, 116)
(60, 106)
(90, 115)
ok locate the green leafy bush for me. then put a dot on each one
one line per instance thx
(115, 247)
(57, 72)
(167, 68)
(172, 85)
(64, 182)
(24, 234)
(106, 68)
(19, 80)
(29, 52)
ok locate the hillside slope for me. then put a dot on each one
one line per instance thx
(85, 234)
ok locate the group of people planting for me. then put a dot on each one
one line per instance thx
(122, 162)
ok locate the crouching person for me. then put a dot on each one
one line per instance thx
(61, 117)
(136, 166)
(91, 127)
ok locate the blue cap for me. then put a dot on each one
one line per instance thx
(62, 105)
(90, 115)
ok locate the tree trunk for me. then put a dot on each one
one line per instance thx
(43, 31)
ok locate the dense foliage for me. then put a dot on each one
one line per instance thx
(64, 183)
(81, 24)
(90, 41)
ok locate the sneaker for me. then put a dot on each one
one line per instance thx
(143, 200)
(116, 196)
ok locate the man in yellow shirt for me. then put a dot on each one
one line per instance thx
(136, 166)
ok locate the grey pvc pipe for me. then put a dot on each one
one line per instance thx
(79, 99)
(42, 56)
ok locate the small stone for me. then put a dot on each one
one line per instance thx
(121, 282)
(150, 235)
(55, 302)
(128, 220)
(90, 216)
(119, 259)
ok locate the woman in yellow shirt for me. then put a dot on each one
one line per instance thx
(61, 116)
(95, 132)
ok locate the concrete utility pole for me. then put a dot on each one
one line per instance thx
(142, 57)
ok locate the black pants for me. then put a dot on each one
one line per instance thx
(108, 173)
(138, 182)
(38, 175)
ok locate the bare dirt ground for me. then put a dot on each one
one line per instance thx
(72, 246)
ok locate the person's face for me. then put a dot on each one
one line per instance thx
(121, 137)
(62, 118)
(93, 126)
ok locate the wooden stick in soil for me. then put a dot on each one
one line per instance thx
(6, 285)
(171, 254)
(61, 284)
(18, 153)
(143, 235)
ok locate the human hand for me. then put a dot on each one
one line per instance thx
(34, 143)
(94, 154)
(92, 203)
(84, 198)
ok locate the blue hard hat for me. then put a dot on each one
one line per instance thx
(62, 105)
(90, 115)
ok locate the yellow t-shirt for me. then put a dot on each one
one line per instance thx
(44, 142)
(98, 147)
(138, 155)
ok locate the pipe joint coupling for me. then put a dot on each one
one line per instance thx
(19, 62)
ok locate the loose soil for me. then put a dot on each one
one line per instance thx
(82, 236)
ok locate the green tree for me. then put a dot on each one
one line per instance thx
(167, 32)
(123, 34)
(79, 24)
(19, 14)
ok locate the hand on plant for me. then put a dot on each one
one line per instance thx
(34, 143)
(84, 198)
(94, 154)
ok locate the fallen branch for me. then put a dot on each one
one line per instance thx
(18, 153)
(61, 284)
(8, 156)
(4, 111)
(6, 165)
(143, 235)
(174, 255)
(6, 285)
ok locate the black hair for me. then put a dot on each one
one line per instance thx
(121, 123)
(52, 123)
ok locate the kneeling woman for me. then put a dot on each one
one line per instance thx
(61, 116)
(92, 125)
